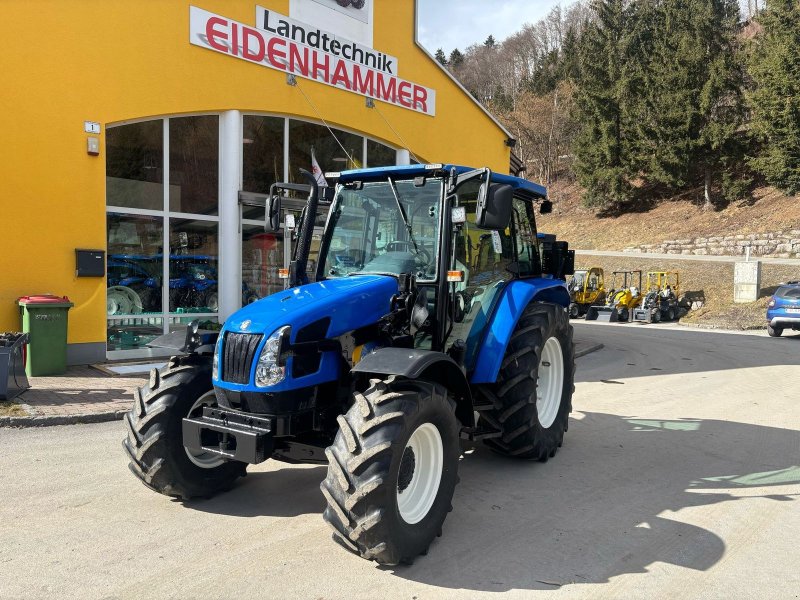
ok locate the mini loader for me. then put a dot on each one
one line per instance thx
(381, 365)
(585, 289)
(621, 301)
(661, 301)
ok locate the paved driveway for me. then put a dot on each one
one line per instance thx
(679, 478)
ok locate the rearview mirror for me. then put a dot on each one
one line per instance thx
(546, 207)
(272, 213)
(494, 205)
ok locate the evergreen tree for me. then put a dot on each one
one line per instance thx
(690, 86)
(602, 146)
(775, 98)
(456, 58)
(490, 43)
(568, 65)
(440, 57)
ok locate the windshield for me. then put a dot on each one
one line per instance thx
(577, 280)
(370, 233)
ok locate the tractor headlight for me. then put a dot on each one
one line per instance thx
(771, 303)
(271, 369)
(215, 358)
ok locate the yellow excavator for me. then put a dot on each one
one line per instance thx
(586, 288)
(661, 298)
(620, 301)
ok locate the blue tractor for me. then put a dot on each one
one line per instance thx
(435, 316)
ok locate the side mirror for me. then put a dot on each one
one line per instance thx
(272, 213)
(546, 207)
(494, 205)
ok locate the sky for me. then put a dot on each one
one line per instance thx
(449, 24)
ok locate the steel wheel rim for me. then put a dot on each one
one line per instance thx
(550, 383)
(416, 499)
(204, 460)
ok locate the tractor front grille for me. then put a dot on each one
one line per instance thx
(238, 353)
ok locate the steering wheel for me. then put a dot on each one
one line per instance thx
(421, 255)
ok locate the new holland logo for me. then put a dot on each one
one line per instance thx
(245, 324)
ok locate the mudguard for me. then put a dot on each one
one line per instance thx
(514, 298)
(427, 365)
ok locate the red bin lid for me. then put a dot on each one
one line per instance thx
(43, 299)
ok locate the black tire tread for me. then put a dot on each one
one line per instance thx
(149, 445)
(513, 395)
(355, 485)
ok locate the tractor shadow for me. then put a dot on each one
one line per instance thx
(288, 491)
(618, 498)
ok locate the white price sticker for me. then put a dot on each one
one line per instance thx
(496, 242)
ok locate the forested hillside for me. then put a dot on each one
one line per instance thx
(637, 101)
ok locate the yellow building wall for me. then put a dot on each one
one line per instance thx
(94, 60)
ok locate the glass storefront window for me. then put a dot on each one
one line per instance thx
(134, 264)
(163, 263)
(193, 267)
(135, 165)
(135, 272)
(379, 155)
(194, 164)
(262, 157)
(305, 136)
(262, 256)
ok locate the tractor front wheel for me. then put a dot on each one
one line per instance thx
(532, 397)
(155, 433)
(392, 470)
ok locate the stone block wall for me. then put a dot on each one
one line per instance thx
(778, 244)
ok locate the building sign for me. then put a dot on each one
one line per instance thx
(281, 43)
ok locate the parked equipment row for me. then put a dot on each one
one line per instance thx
(626, 300)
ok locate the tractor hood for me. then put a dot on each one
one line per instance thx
(349, 303)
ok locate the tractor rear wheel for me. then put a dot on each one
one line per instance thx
(155, 433)
(392, 470)
(532, 397)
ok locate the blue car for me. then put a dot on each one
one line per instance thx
(783, 309)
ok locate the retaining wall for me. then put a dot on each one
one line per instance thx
(778, 244)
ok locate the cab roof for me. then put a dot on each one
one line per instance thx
(525, 187)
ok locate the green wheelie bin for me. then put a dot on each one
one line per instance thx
(44, 319)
